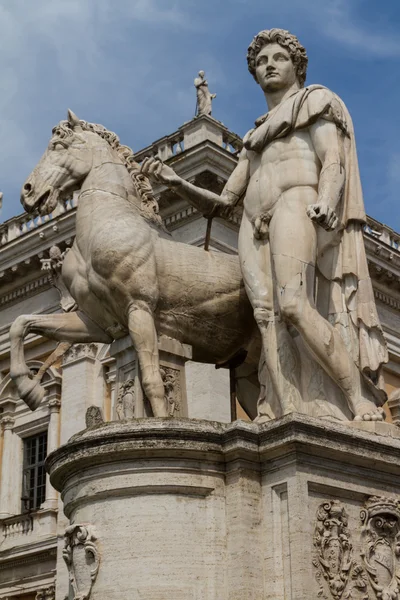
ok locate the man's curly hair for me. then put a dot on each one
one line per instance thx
(285, 39)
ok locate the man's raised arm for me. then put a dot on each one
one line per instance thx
(207, 202)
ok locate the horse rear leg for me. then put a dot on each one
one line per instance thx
(74, 327)
(144, 337)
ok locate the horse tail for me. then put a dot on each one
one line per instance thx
(59, 351)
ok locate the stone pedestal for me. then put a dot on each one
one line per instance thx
(294, 509)
(192, 389)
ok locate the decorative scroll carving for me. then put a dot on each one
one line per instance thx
(380, 538)
(334, 561)
(126, 400)
(172, 387)
(82, 559)
(48, 593)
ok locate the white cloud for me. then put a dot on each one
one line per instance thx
(130, 64)
(79, 53)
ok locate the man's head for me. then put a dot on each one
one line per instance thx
(268, 59)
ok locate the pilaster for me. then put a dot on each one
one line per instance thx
(7, 468)
(53, 442)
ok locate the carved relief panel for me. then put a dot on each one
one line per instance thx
(380, 536)
(125, 404)
(82, 558)
(130, 400)
(338, 574)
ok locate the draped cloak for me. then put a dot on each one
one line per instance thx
(347, 300)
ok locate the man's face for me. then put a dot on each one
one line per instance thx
(274, 68)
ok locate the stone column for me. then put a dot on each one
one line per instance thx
(7, 467)
(53, 441)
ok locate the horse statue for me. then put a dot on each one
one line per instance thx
(124, 271)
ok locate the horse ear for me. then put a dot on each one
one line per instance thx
(73, 120)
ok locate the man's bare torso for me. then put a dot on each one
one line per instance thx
(287, 167)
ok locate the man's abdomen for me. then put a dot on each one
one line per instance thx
(283, 166)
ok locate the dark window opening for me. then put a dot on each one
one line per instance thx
(34, 476)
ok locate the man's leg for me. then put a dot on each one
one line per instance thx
(293, 248)
(255, 260)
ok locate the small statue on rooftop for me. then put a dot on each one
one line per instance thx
(204, 98)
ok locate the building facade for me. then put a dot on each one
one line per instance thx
(32, 523)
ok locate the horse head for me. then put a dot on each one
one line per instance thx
(62, 168)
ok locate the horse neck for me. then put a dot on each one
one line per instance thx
(108, 179)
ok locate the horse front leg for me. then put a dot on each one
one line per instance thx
(144, 337)
(72, 327)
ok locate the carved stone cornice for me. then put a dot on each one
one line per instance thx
(25, 291)
(387, 299)
(33, 558)
(79, 352)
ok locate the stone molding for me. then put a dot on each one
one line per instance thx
(7, 423)
(54, 405)
(26, 291)
(261, 486)
(31, 558)
(220, 442)
(79, 352)
(387, 299)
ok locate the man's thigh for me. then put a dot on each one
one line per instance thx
(293, 242)
(255, 262)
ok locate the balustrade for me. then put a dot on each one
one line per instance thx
(25, 223)
(26, 528)
(20, 525)
(383, 233)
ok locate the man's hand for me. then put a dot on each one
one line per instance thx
(155, 169)
(323, 215)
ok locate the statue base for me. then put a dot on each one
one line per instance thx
(165, 509)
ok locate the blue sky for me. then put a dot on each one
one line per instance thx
(130, 64)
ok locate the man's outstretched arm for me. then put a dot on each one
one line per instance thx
(207, 202)
(328, 146)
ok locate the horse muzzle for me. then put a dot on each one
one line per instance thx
(44, 201)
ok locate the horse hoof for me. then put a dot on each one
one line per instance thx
(33, 394)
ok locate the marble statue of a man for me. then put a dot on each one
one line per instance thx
(204, 97)
(300, 243)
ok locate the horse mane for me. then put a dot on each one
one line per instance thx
(149, 208)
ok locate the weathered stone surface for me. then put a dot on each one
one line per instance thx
(152, 285)
(300, 244)
(94, 416)
(204, 510)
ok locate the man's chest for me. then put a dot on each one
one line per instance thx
(295, 148)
